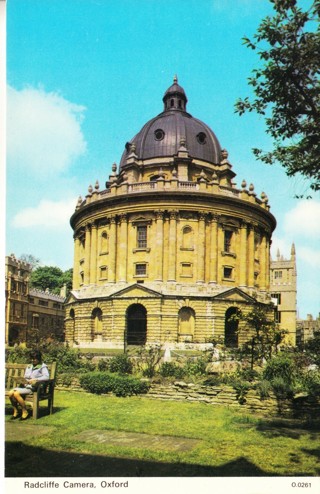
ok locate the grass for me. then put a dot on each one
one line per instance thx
(230, 442)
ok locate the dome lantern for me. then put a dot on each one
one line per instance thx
(175, 98)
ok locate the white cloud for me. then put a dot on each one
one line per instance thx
(47, 215)
(309, 256)
(43, 131)
(303, 220)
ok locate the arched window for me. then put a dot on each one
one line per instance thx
(231, 327)
(96, 327)
(187, 238)
(186, 321)
(104, 243)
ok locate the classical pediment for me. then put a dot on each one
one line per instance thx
(136, 290)
(236, 295)
(70, 298)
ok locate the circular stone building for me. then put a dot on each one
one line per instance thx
(171, 248)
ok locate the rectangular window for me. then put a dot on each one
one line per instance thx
(141, 237)
(227, 273)
(277, 317)
(141, 269)
(104, 272)
(276, 296)
(278, 274)
(186, 269)
(227, 240)
(44, 303)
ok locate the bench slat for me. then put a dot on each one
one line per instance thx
(45, 391)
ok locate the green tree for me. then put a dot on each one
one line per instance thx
(50, 277)
(30, 259)
(265, 334)
(286, 86)
(312, 348)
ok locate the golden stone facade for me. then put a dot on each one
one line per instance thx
(283, 290)
(171, 247)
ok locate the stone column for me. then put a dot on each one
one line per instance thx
(201, 247)
(123, 246)
(250, 258)
(263, 260)
(76, 265)
(243, 255)
(159, 246)
(267, 262)
(93, 260)
(172, 269)
(87, 255)
(213, 249)
(220, 242)
(112, 250)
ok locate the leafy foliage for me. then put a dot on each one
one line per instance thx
(30, 259)
(121, 364)
(266, 335)
(171, 369)
(102, 382)
(287, 88)
(50, 277)
(312, 348)
(148, 359)
(280, 366)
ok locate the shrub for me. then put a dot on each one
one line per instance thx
(264, 387)
(248, 374)
(281, 366)
(103, 365)
(121, 364)
(102, 382)
(311, 382)
(241, 388)
(19, 355)
(282, 389)
(196, 367)
(170, 369)
(148, 359)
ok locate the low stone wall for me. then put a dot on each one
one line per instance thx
(213, 395)
(218, 395)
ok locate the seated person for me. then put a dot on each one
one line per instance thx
(34, 373)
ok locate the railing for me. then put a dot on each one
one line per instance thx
(188, 185)
(142, 187)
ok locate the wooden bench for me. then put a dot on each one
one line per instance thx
(44, 389)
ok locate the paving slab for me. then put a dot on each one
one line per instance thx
(17, 431)
(137, 440)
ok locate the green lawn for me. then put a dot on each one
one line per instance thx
(230, 442)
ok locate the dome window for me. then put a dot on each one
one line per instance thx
(202, 138)
(159, 134)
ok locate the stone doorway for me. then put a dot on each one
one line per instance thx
(231, 328)
(136, 325)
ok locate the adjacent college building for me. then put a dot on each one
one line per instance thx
(31, 315)
(171, 247)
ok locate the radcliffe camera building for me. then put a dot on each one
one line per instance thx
(170, 248)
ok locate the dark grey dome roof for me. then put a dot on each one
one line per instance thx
(162, 135)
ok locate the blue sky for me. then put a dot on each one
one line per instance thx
(85, 75)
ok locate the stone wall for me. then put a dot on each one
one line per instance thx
(300, 407)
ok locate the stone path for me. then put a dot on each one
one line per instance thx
(17, 431)
(138, 440)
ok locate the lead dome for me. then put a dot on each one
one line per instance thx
(163, 135)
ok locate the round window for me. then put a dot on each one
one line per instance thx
(201, 138)
(159, 134)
